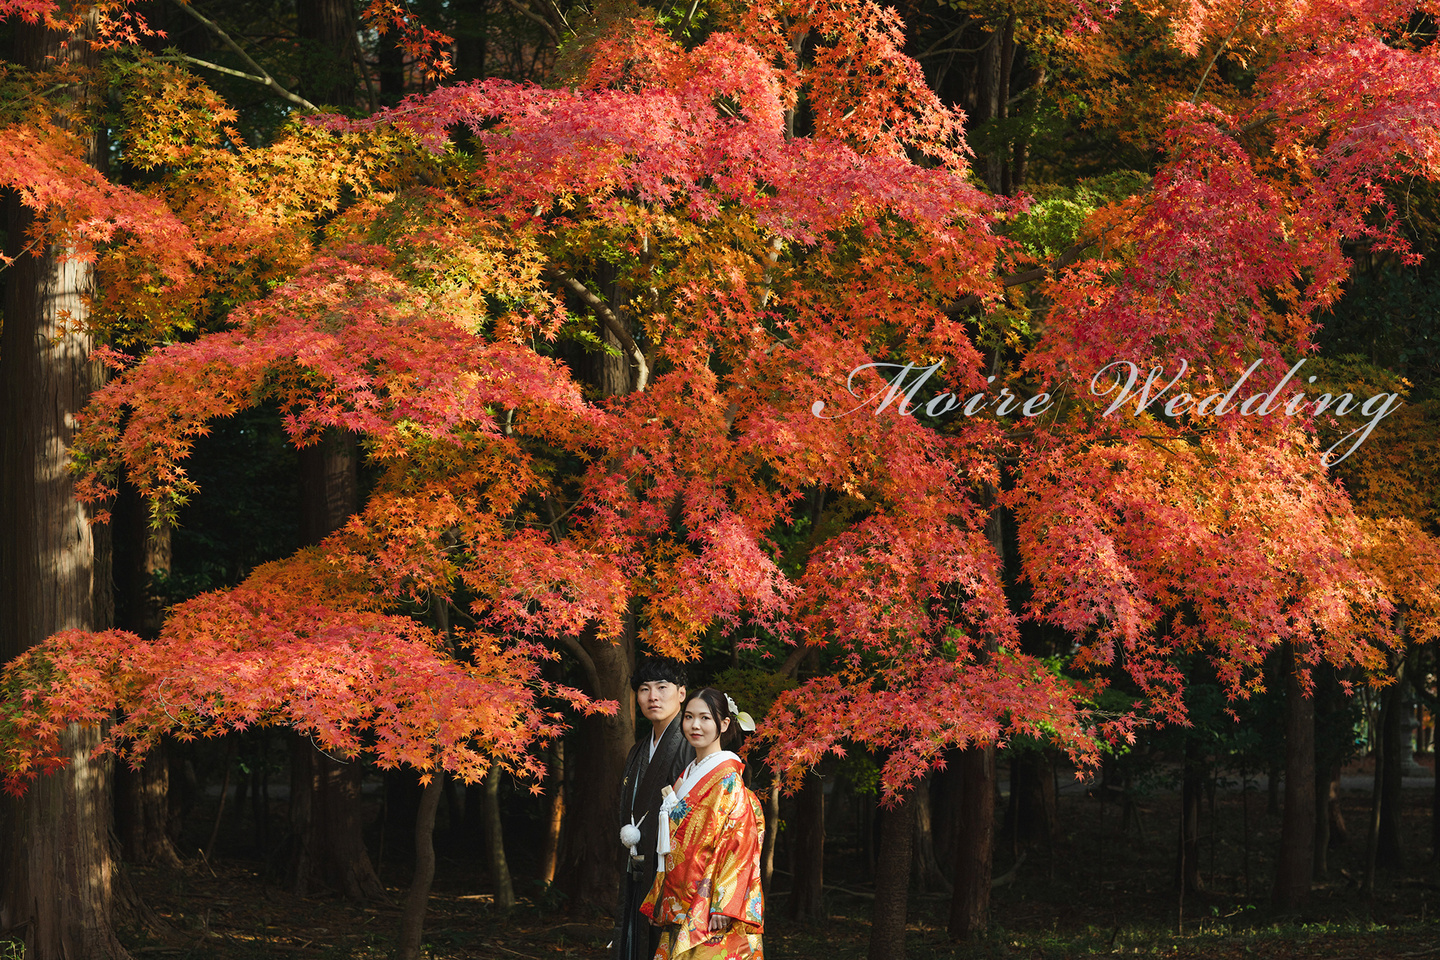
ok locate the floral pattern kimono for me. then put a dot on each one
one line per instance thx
(712, 867)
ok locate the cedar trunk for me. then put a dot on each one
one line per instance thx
(892, 881)
(974, 843)
(1295, 865)
(1031, 816)
(330, 27)
(58, 887)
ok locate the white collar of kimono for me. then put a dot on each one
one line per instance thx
(693, 774)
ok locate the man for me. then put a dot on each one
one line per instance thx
(656, 761)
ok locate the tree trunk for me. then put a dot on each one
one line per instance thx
(589, 856)
(772, 834)
(143, 811)
(1324, 791)
(1435, 758)
(495, 843)
(329, 27)
(142, 796)
(326, 830)
(1388, 854)
(1030, 817)
(1191, 787)
(555, 818)
(807, 852)
(1295, 863)
(928, 875)
(326, 826)
(470, 40)
(892, 881)
(974, 843)
(590, 859)
(59, 876)
(412, 913)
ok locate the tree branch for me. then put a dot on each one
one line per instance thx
(260, 76)
(591, 674)
(524, 10)
(611, 321)
(1195, 97)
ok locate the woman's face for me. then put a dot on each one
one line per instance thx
(700, 727)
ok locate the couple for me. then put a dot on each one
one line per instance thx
(692, 830)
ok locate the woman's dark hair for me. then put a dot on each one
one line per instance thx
(720, 710)
(657, 669)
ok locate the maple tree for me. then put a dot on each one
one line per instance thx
(669, 203)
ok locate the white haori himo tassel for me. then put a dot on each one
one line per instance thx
(630, 834)
(669, 800)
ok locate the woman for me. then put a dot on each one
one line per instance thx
(707, 897)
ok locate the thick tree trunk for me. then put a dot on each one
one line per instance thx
(590, 859)
(975, 816)
(329, 485)
(326, 826)
(1295, 863)
(412, 913)
(974, 843)
(330, 28)
(1031, 815)
(892, 881)
(1435, 759)
(928, 875)
(807, 851)
(326, 830)
(589, 856)
(143, 811)
(58, 887)
(470, 40)
(495, 843)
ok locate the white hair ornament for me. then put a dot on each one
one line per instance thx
(747, 723)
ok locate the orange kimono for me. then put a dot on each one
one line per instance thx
(713, 867)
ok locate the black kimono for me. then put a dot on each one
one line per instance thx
(635, 938)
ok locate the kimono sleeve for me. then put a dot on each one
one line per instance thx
(735, 889)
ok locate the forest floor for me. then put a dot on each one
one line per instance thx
(1097, 890)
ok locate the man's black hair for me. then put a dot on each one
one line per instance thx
(653, 669)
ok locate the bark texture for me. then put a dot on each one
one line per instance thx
(1295, 865)
(974, 843)
(892, 881)
(589, 868)
(412, 913)
(807, 851)
(58, 887)
(500, 881)
(326, 829)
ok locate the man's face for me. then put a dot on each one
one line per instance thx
(659, 700)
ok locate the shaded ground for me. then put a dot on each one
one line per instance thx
(1101, 890)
